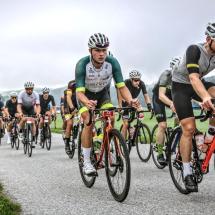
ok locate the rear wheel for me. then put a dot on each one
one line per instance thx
(12, 142)
(30, 140)
(88, 180)
(154, 147)
(127, 141)
(119, 182)
(175, 161)
(143, 142)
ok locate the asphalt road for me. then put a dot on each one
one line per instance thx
(50, 183)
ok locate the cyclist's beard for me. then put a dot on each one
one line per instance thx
(30, 93)
(213, 51)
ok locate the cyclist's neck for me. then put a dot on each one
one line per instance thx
(96, 65)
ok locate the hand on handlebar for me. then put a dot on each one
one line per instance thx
(91, 105)
(207, 104)
(135, 103)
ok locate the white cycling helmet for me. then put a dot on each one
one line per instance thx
(45, 90)
(13, 94)
(135, 74)
(174, 61)
(210, 30)
(29, 85)
(98, 41)
(109, 53)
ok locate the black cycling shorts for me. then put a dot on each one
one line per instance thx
(29, 111)
(159, 109)
(43, 111)
(182, 95)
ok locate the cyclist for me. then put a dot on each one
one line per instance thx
(63, 116)
(27, 99)
(11, 111)
(93, 77)
(197, 62)
(45, 99)
(70, 107)
(2, 109)
(134, 85)
(162, 97)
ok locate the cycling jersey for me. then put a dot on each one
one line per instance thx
(195, 60)
(28, 101)
(164, 81)
(96, 80)
(135, 91)
(70, 90)
(12, 107)
(44, 103)
(1, 107)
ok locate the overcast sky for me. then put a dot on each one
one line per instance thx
(41, 41)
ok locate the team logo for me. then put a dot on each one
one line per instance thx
(106, 66)
(91, 71)
(98, 84)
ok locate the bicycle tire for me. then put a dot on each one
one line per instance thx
(17, 143)
(154, 148)
(124, 166)
(88, 180)
(143, 142)
(175, 165)
(12, 142)
(48, 137)
(42, 139)
(127, 141)
(29, 140)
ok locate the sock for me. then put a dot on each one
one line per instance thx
(86, 152)
(187, 170)
(18, 127)
(20, 131)
(8, 133)
(39, 132)
(1, 130)
(33, 138)
(160, 149)
(67, 142)
(64, 131)
(50, 126)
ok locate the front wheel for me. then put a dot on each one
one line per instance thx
(143, 142)
(154, 147)
(119, 182)
(12, 141)
(127, 141)
(88, 180)
(175, 161)
(48, 137)
(30, 140)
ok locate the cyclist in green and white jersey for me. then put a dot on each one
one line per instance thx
(93, 78)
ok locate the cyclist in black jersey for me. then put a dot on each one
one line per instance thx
(93, 78)
(70, 107)
(135, 86)
(162, 97)
(63, 116)
(198, 61)
(11, 111)
(2, 108)
(45, 99)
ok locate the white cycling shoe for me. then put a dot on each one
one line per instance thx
(20, 136)
(88, 168)
(33, 144)
(39, 139)
(8, 141)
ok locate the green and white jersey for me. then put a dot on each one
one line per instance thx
(96, 80)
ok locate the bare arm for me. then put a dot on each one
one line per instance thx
(19, 109)
(82, 98)
(37, 108)
(125, 93)
(55, 109)
(147, 99)
(69, 101)
(6, 111)
(163, 97)
(119, 97)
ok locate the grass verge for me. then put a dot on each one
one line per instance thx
(7, 207)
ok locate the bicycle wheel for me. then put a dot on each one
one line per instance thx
(16, 139)
(88, 180)
(175, 161)
(12, 142)
(143, 142)
(154, 147)
(29, 140)
(42, 138)
(119, 183)
(127, 141)
(48, 137)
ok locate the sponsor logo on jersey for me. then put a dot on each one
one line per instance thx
(92, 76)
(91, 71)
(106, 66)
(34, 102)
(98, 84)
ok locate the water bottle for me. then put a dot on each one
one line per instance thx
(208, 140)
(141, 116)
(199, 137)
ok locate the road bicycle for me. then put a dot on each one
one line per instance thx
(28, 135)
(14, 133)
(116, 162)
(139, 135)
(199, 168)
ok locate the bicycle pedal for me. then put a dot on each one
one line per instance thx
(94, 174)
(114, 164)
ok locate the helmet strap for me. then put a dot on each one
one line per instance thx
(211, 45)
(94, 59)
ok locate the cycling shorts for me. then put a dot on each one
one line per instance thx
(102, 97)
(29, 111)
(43, 111)
(125, 113)
(159, 108)
(182, 95)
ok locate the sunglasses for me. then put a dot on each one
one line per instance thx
(102, 46)
(136, 80)
(13, 97)
(29, 89)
